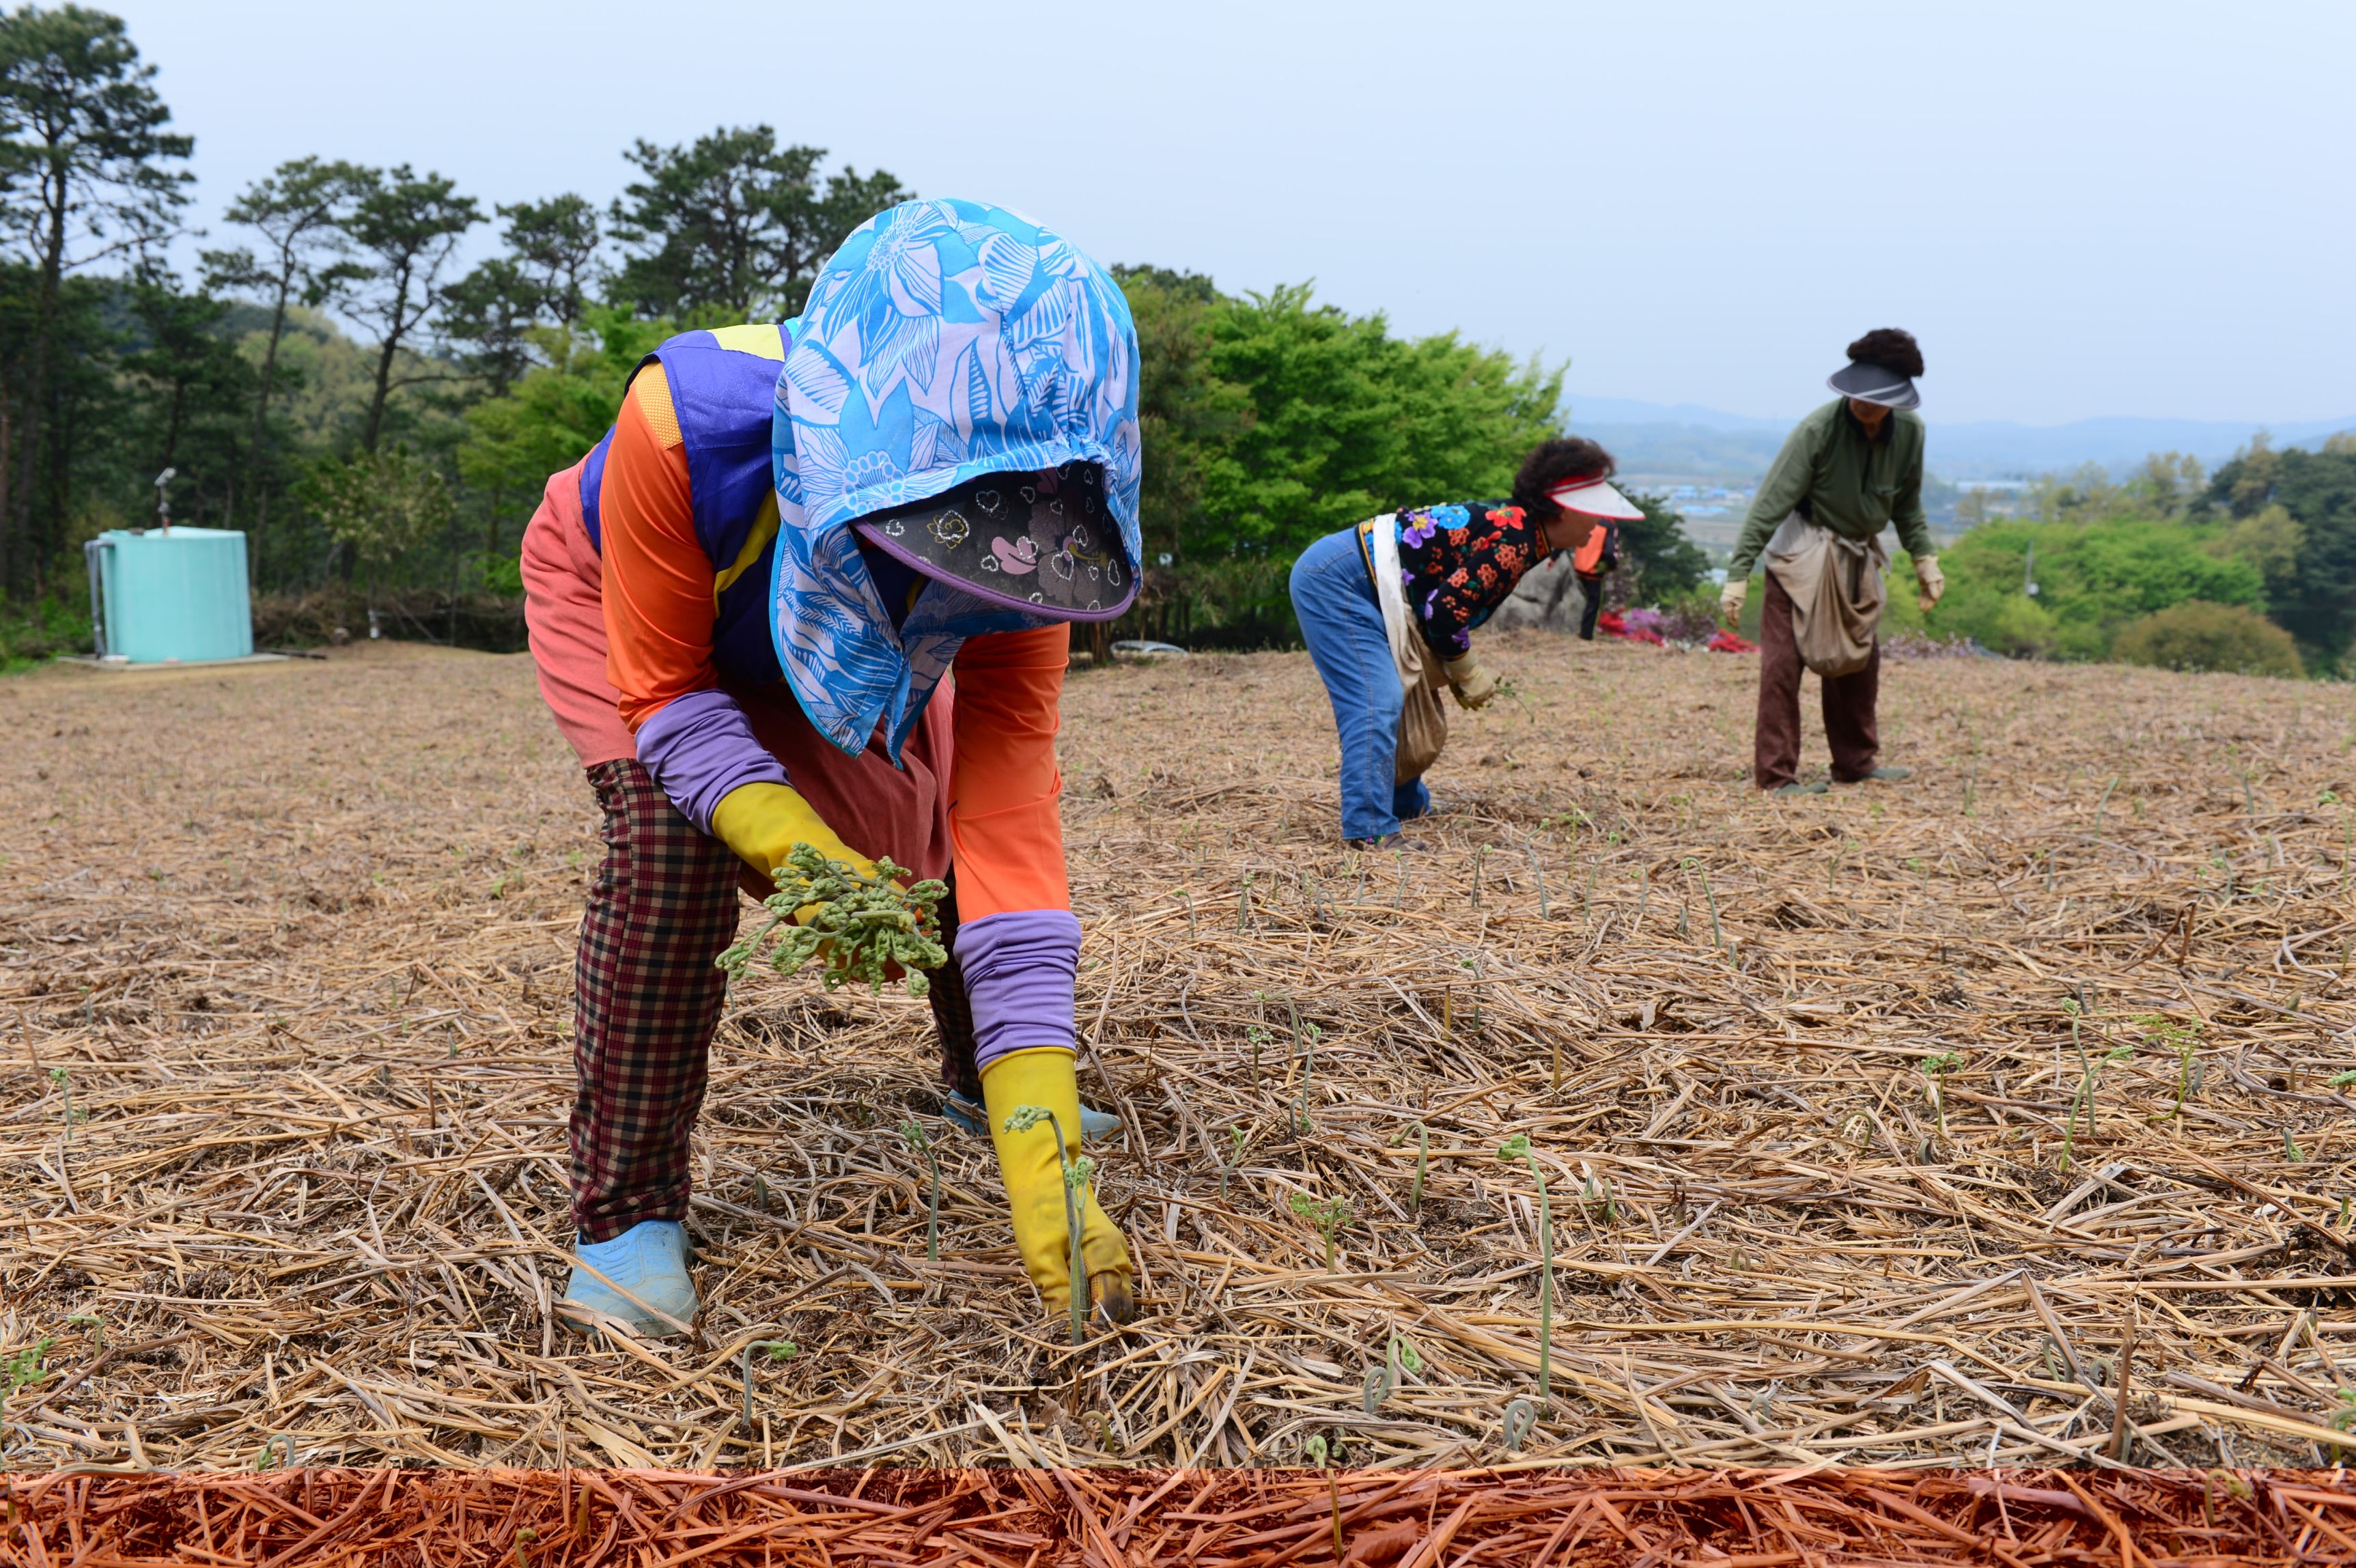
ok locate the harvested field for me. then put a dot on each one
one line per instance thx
(1900, 1126)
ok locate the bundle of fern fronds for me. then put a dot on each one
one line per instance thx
(856, 925)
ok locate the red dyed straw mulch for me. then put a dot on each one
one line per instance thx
(1115, 1518)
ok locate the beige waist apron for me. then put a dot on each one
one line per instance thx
(1837, 588)
(1423, 721)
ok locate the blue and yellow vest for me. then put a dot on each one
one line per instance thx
(723, 387)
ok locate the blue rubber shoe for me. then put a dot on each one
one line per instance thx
(647, 1262)
(972, 1115)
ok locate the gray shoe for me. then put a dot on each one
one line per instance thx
(1883, 776)
(974, 1117)
(643, 1284)
(1796, 788)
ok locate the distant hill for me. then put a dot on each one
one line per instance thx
(1683, 441)
(1586, 411)
(1687, 452)
(1996, 450)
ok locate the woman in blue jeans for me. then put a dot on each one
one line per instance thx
(1450, 566)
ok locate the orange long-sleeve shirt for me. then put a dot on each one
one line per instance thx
(660, 591)
(659, 581)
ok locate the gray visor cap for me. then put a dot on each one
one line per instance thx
(1875, 383)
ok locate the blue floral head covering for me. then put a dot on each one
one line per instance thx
(945, 340)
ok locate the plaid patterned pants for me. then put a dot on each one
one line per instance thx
(647, 998)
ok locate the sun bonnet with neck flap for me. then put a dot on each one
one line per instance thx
(947, 344)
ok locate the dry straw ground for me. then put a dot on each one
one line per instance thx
(1002, 1518)
(284, 1006)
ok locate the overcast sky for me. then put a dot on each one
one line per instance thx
(2082, 207)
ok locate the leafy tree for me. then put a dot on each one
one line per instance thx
(558, 411)
(1347, 421)
(489, 314)
(407, 228)
(2246, 482)
(732, 227)
(555, 243)
(298, 210)
(1470, 415)
(1664, 563)
(2270, 539)
(90, 415)
(2316, 490)
(2092, 579)
(2166, 485)
(1270, 420)
(83, 154)
(378, 505)
(552, 249)
(197, 383)
(2085, 495)
(1188, 416)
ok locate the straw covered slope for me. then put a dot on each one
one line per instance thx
(285, 997)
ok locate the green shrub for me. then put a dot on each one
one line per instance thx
(2020, 627)
(2198, 635)
(2092, 578)
(32, 633)
(1235, 601)
(1341, 421)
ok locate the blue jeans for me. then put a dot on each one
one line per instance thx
(1342, 624)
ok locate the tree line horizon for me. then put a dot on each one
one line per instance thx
(379, 416)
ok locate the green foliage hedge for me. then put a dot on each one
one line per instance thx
(1270, 421)
(43, 628)
(2092, 579)
(2294, 514)
(1344, 421)
(2253, 568)
(2198, 635)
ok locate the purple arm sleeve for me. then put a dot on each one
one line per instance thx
(700, 747)
(1019, 971)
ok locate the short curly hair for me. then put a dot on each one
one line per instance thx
(1549, 464)
(1889, 347)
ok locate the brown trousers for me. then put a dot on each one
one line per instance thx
(1848, 703)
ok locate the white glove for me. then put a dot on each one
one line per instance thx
(1730, 598)
(1932, 581)
(1474, 685)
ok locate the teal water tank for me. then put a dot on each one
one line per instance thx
(158, 597)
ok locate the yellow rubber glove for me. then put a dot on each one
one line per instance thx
(1930, 580)
(1034, 1185)
(761, 823)
(1473, 684)
(1730, 598)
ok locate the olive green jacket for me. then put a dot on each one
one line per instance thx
(1831, 472)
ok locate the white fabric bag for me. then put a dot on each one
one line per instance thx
(1423, 719)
